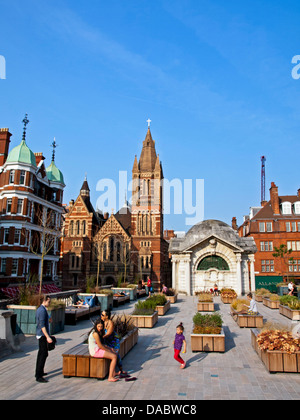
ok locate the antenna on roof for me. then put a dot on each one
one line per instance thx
(263, 179)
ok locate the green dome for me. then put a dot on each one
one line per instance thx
(54, 174)
(21, 153)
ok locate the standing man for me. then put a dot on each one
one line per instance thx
(43, 336)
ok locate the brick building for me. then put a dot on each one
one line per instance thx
(129, 244)
(29, 193)
(275, 222)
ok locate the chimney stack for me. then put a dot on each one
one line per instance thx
(274, 198)
(298, 192)
(233, 224)
(4, 144)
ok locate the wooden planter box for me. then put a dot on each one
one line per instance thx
(78, 362)
(293, 314)
(227, 299)
(208, 342)
(145, 321)
(205, 307)
(163, 309)
(276, 361)
(270, 303)
(26, 322)
(172, 299)
(259, 298)
(247, 321)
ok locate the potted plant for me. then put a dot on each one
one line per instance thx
(208, 334)
(144, 314)
(171, 295)
(240, 314)
(278, 349)
(289, 306)
(26, 310)
(205, 302)
(161, 302)
(271, 301)
(227, 295)
(260, 293)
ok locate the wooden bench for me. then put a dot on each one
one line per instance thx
(140, 293)
(78, 362)
(120, 300)
(73, 313)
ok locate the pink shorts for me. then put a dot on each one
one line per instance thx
(99, 353)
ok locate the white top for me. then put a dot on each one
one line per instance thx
(253, 306)
(93, 346)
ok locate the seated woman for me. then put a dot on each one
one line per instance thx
(252, 308)
(98, 349)
(111, 339)
(164, 289)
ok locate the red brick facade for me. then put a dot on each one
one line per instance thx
(126, 245)
(276, 222)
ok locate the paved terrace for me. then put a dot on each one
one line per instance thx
(236, 374)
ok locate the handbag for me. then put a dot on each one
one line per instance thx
(51, 346)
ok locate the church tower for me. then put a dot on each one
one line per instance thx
(149, 247)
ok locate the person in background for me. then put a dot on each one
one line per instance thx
(164, 289)
(43, 336)
(149, 284)
(252, 310)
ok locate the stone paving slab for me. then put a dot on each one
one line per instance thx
(237, 374)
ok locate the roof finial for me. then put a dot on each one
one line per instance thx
(148, 121)
(54, 146)
(25, 122)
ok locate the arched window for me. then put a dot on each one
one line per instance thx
(104, 251)
(77, 228)
(71, 228)
(118, 251)
(111, 249)
(213, 261)
(83, 227)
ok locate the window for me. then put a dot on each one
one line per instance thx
(19, 206)
(71, 228)
(6, 235)
(213, 261)
(269, 226)
(288, 226)
(266, 246)
(294, 265)
(293, 245)
(8, 205)
(286, 208)
(17, 236)
(294, 227)
(22, 177)
(297, 208)
(261, 227)
(267, 266)
(12, 177)
(14, 268)
(3, 265)
(83, 227)
(77, 228)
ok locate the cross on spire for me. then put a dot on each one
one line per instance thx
(148, 121)
(25, 121)
(54, 146)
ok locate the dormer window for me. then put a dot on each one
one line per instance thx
(297, 207)
(286, 208)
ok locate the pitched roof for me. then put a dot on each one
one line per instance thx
(148, 154)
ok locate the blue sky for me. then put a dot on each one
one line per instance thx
(213, 76)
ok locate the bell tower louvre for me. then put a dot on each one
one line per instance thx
(149, 249)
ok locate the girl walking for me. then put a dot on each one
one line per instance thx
(178, 342)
